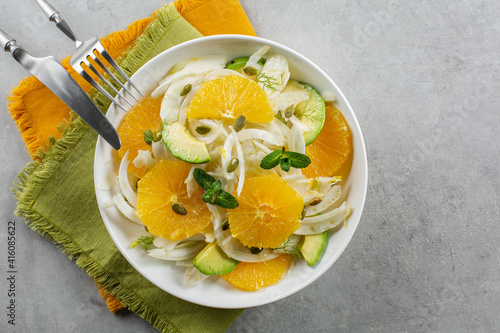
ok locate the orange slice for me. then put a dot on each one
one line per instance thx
(230, 97)
(143, 116)
(163, 186)
(332, 147)
(269, 212)
(255, 275)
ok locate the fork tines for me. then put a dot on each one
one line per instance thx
(86, 60)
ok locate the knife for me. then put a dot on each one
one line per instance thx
(53, 75)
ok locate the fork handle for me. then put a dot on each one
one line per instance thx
(47, 8)
(55, 17)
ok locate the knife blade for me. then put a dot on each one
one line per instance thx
(53, 75)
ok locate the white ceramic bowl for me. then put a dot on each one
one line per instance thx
(215, 292)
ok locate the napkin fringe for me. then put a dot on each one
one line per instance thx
(29, 182)
(112, 302)
(145, 42)
(17, 108)
(116, 40)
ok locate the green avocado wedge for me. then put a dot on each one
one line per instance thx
(213, 261)
(311, 112)
(237, 64)
(181, 143)
(312, 247)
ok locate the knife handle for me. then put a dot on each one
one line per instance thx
(6, 41)
(55, 17)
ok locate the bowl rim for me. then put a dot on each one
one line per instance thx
(354, 126)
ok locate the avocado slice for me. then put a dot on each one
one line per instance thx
(312, 247)
(181, 143)
(311, 112)
(237, 64)
(213, 261)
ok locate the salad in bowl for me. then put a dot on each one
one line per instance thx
(236, 172)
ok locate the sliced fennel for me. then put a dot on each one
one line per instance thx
(124, 181)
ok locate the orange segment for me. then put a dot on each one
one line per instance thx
(332, 147)
(143, 116)
(163, 186)
(255, 275)
(269, 212)
(230, 97)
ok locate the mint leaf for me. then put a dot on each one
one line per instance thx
(226, 200)
(212, 193)
(271, 160)
(297, 160)
(285, 164)
(203, 179)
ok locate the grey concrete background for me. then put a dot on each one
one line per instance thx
(423, 79)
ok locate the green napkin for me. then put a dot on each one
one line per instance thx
(56, 197)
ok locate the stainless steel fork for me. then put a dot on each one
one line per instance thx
(87, 52)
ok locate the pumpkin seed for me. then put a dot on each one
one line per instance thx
(233, 164)
(203, 129)
(303, 215)
(289, 111)
(186, 89)
(255, 250)
(225, 225)
(315, 201)
(250, 70)
(240, 122)
(179, 209)
(149, 137)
